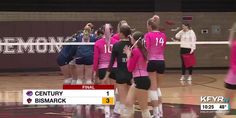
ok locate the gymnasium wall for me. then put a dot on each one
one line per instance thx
(216, 23)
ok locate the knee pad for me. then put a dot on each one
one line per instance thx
(146, 114)
(152, 94)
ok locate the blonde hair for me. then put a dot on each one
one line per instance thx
(121, 23)
(154, 22)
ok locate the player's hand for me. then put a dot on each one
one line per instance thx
(192, 51)
(127, 51)
(104, 80)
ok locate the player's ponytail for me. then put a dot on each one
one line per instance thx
(154, 22)
(107, 33)
(139, 41)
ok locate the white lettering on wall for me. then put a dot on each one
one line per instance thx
(25, 48)
(41, 48)
(9, 49)
(55, 48)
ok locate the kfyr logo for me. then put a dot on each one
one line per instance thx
(214, 99)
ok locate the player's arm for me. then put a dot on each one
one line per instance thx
(132, 60)
(193, 42)
(178, 35)
(95, 59)
(147, 41)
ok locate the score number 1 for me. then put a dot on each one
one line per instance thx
(107, 100)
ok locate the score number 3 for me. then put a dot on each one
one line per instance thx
(107, 100)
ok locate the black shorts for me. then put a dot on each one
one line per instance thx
(156, 66)
(230, 86)
(123, 77)
(87, 60)
(142, 82)
(61, 60)
(102, 73)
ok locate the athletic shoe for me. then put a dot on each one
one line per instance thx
(189, 78)
(79, 81)
(182, 78)
(73, 82)
(88, 82)
(67, 81)
(115, 115)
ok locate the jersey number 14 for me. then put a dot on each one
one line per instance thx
(159, 41)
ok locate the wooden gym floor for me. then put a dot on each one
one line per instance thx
(181, 99)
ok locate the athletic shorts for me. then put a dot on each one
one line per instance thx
(102, 73)
(61, 60)
(142, 82)
(88, 60)
(123, 77)
(156, 66)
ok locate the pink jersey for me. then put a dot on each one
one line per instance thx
(102, 54)
(116, 36)
(155, 43)
(231, 77)
(137, 64)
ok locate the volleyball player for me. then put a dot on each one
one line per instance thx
(66, 55)
(99, 33)
(84, 55)
(123, 76)
(230, 80)
(155, 44)
(102, 55)
(137, 64)
(116, 36)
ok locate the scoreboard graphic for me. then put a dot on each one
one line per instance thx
(71, 95)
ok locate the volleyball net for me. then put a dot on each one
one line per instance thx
(89, 43)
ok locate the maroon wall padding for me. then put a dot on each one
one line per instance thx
(27, 29)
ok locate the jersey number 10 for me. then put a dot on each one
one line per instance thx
(159, 41)
(107, 49)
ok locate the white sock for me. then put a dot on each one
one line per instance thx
(117, 107)
(156, 112)
(107, 111)
(160, 110)
(122, 107)
(160, 105)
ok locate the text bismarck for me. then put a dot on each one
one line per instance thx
(50, 100)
